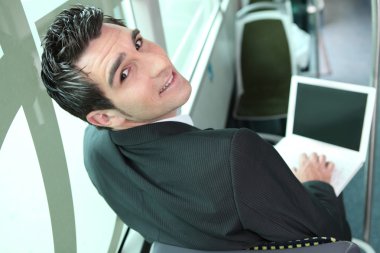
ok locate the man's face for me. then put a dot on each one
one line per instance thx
(135, 74)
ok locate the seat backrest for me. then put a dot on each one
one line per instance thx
(264, 65)
(336, 247)
(284, 6)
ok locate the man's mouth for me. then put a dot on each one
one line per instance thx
(167, 84)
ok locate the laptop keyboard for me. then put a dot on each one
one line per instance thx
(345, 160)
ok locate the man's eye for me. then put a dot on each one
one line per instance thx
(124, 74)
(138, 44)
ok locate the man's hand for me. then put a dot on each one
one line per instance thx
(314, 167)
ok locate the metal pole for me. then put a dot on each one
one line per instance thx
(374, 83)
(312, 10)
(317, 33)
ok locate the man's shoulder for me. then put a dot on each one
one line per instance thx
(93, 134)
(96, 141)
(99, 151)
(246, 135)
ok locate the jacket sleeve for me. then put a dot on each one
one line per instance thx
(273, 203)
(323, 194)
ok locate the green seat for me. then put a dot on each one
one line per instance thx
(264, 65)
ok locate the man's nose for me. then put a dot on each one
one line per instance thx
(157, 65)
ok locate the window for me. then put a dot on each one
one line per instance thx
(186, 25)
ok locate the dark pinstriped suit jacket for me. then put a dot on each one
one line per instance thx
(207, 189)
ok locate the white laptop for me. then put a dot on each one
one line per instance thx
(330, 118)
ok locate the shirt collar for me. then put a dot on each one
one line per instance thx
(183, 118)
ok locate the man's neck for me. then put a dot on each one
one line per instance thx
(129, 124)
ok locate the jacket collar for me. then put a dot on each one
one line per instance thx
(149, 132)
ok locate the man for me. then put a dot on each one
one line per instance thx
(174, 183)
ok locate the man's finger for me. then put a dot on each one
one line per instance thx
(330, 165)
(322, 159)
(302, 159)
(314, 157)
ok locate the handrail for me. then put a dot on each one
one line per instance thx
(374, 82)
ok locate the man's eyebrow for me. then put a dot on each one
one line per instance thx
(114, 67)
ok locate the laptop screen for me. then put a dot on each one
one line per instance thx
(330, 115)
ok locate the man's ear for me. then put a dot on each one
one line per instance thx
(108, 118)
(102, 118)
(111, 118)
